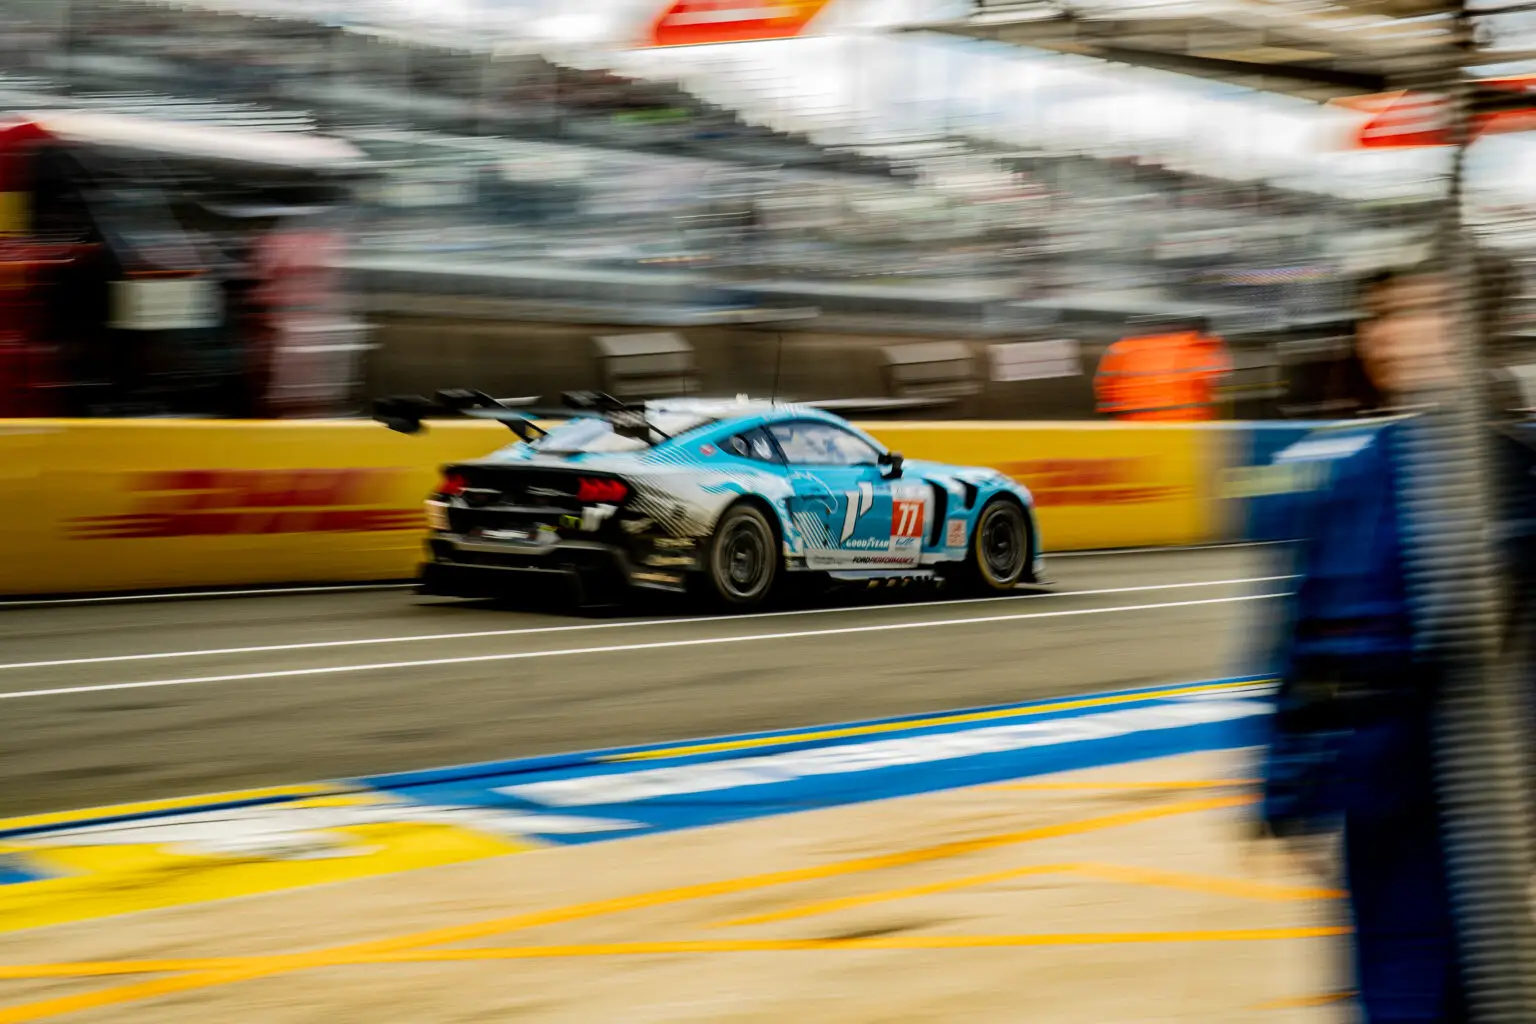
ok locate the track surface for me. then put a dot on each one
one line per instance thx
(100, 723)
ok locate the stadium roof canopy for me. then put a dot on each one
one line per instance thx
(1313, 49)
(1224, 88)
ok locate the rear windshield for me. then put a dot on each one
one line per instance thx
(591, 434)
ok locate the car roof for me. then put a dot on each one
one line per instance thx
(740, 407)
(729, 417)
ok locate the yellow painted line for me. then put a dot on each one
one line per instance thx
(924, 723)
(930, 889)
(1305, 1002)
(279, 964)
(1167, 784)
(246, 966)
(180, 803)
(136, 992)
(874, 942)
(1211, 884)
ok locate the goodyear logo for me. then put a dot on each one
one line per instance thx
(206, 503)
(1112, 481)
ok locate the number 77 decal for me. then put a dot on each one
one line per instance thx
(907, 519)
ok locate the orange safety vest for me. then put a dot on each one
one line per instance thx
(1161, 377)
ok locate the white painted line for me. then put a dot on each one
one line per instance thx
(621, 648)
(49, 602)
(632, 624)
(1051, 556)
(46, 602)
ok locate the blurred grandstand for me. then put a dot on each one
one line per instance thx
(548, 190)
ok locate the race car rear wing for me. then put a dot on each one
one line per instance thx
(405, 413)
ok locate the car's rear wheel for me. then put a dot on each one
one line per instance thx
(999, 552)
(743, 559)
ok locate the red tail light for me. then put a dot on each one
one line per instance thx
(452, 486)
(591, 489)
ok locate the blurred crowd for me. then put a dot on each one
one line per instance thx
(453, 157)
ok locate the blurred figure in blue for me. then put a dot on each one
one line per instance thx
(1352, 743)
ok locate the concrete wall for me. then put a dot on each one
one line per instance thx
(429, 348)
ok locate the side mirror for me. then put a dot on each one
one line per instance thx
(890, 464)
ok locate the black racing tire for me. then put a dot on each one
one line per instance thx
(999, 554)
(742, 561)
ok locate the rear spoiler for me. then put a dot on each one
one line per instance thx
(405, 413)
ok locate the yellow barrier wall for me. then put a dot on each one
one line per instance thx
(1096, 485)
(99, 505)
(118, 505)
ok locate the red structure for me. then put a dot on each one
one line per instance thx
(151, 268)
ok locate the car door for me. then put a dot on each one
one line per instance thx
(842, 502)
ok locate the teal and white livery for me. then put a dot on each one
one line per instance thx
(726, 497)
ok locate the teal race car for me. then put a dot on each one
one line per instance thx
(728, 498)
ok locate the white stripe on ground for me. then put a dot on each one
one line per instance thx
(621, 648)
(189, 595)
(633, 624)
(1051, 556)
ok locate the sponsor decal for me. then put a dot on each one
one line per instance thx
(1106, 481)
(895, 560)
(859, 502)
(868, 544)
(954, 533)
(201, 503)
(909, 516)
(669, 560)
(707, 449)
(907, 519)
(870, 540)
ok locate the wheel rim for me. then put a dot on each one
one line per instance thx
(1002, 545)
(744, 555)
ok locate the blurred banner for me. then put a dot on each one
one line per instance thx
(102, 505)
(701, 22)
(1256, 493)
(1409, 120)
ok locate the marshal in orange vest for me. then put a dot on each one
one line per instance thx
(1164, 377)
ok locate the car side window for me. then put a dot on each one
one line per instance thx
(809, 443)
(752, 444)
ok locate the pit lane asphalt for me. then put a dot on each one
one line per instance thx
(135, 701)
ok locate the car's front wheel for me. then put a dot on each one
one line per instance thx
(999, 551)
(743, 559)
